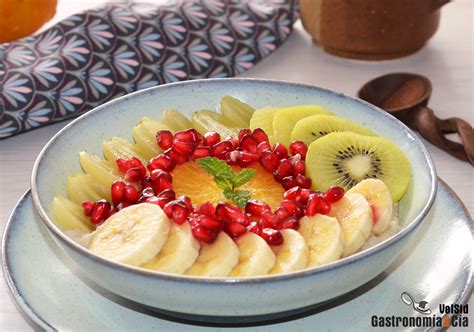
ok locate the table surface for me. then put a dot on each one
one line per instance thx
(446, 60)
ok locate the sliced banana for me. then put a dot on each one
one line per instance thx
(216, 259)
(134, 235)
(292, 255)
(179, 252)
(380, 200)
(355, 217)
(256, 257)
(324, 238)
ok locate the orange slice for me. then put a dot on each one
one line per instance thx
(191, 180)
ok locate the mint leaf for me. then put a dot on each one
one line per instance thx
(239, 197)
(243, 177)
(224, 181)
(216, 167)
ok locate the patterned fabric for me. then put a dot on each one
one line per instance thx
(101, 54)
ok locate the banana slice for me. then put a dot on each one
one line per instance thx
(216, 259)
(355, 217)
(256, 256)
(179, 252)
(69, 215)
(292, 255)
(380, 200)
(324, 238)
(133, 235)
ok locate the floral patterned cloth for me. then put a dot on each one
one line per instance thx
(101, 54)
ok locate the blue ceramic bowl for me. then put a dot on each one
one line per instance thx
(214, 296)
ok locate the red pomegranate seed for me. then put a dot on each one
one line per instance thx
(294, 208)
(299, 167)
(281, 213)
(272, 236)
(298, 147)
(147, 192)
(269, 161)
(293, 194)
(187, 201)
(256, 208)
(201, 152)
(211, 138)
(210, 223)
(283, 170)
(121, 206)
(164, 138)
(228, 212)
(280, 150)
(234, 141)
(162, 198)
(255, 227)
(317, 204)
(117, 192)
(303, 181)
(220, 149)
(177, 210)
(288, 182)
(178, 157)
(130, 194)
(161, 180)
(334, 194)
(291, 222)
(162, 162)
(204, 235)
(305, 195)
(262, 146)
(159, 173)
(243, 132)
(123, 164)
(259, 135)
(147, 183)
(248, 144)
(324, 207)
(135, 174)
(206, 209)
(88, 208)
(183, 147)
(101, 212)
(234, 229)
(269, 220)
(188, 135)
(133, 169)
(244, 159)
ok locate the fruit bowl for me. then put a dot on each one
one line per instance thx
(248, 296)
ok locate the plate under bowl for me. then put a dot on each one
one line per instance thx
(228, 296)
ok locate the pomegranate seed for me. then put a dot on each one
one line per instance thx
(324, 207)
(178, 157)
(234, 141)
(283, 170)
(269, 220)
(243, 132)
(334, 194)
(305, 195)
(255, 227)
(245, 159)
(162, 198)
(187, 201)
(206, 209)
(262, 146)
(130, 194)
(269, 161)
(259, 135)
(211, 138)
(280, 150)
(317, 204)
(272, 236)
(161, 180)
(201, 152)
(177, 210)
(210, 223)
(101, 212)
(256, 208)
(123, 164)
(228, 212)
(204, 235)
(220, 149)
(293, 208)
(159, 173)
(117, 192)
(147, 192)
(303, 181)
(147, 183)
(135, 174)
(281, 213)
(133, 169)
(299, 167)
(288, 182)
(183, 147)
(248, 144)
(298, 147)
(291, 222)
(293, 194)
(235, 229)
(88, 208)
(164, 138)
(121, 206)
(163, 162)
(189, 135)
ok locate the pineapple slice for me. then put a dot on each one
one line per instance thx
(144, 134)
(175, 120)
(236, 111)
(70, 216)
(102, 171)
(118, 147)
(83, 187)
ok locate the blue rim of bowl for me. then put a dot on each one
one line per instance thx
(227, 280)
(36, 320)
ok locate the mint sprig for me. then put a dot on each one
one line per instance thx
(227, 180)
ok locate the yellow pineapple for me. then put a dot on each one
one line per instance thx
(83, 187)
(102, 171)
(70, 216)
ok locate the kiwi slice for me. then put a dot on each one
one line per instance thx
(316, 126)
(344, 159)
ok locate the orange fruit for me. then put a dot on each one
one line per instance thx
(191, 180)
(20, 18)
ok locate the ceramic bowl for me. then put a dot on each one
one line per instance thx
(227, 296)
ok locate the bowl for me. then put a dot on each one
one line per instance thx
(227, 296)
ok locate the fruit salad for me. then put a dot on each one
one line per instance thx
(236, 193)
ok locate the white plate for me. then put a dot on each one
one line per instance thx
(436, 267)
